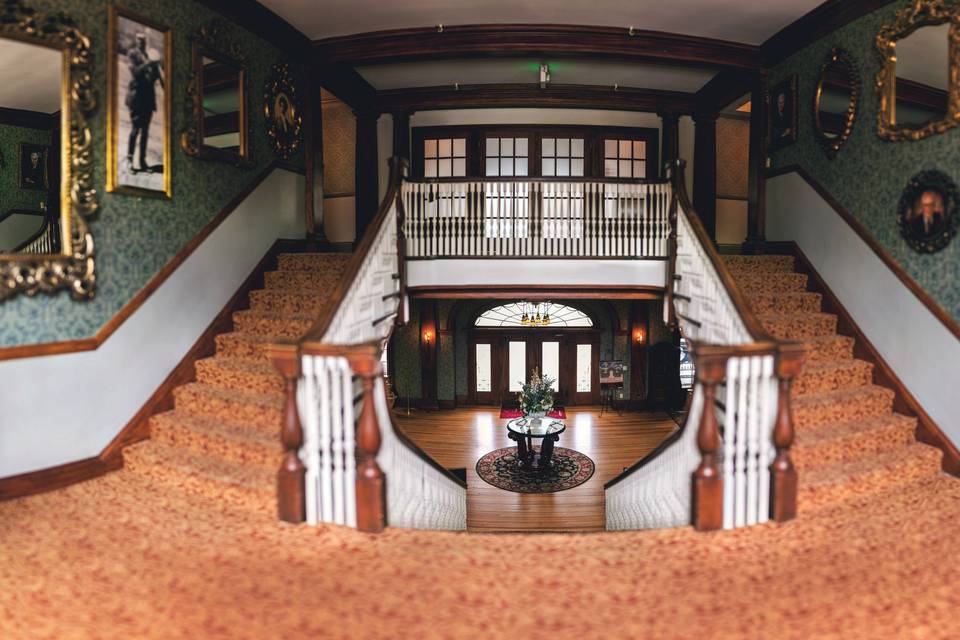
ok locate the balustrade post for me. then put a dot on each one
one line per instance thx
(783, 475)
(291, 500)
(371, 485)
(707, 479)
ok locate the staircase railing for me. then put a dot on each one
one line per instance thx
(44, 241)
(729, 465)
(536, 218)
(345, 461)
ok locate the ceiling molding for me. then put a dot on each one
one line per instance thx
(516, 40)
(723, 89)
(347, 85)
(261, 21)
(822, 21)
(531, 95)
(29, 119)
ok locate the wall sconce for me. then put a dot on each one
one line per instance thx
(427, 336)
(639, 335)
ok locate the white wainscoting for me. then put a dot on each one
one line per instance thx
(62, 408)
(922, 352)
(545, 273)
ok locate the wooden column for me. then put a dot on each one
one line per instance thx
(313, 157)
(367, 182)
(429, 336)
(639, 340)
(291, 500)
(677, 172)
(401, 135)
(670, 132)
(705, 171)
(783, 475)
(371, 483)
(707, 479)
(756, 173)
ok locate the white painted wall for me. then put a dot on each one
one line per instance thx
(922, 352)
(545, 273)
(63, 408)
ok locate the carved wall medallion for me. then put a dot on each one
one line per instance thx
(282, 111)
(74, 268)
(927, 213)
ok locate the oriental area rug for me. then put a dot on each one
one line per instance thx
(569, 469)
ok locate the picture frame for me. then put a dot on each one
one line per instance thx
(611, 372)
(927, 212)
(33, 171)
(783, 117)
(139, 142)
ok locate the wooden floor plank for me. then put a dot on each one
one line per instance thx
(460, 437)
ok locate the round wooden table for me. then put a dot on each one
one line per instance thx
(521, 431)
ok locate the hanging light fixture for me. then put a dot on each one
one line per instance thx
(534, 315)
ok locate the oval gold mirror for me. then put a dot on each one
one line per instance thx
(836, 101)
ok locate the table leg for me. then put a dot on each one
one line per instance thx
(523, 451)
(546, 451)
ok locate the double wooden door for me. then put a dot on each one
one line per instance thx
(501, 361)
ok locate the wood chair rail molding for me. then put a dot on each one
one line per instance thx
(885, 256)
(93, 343)
(512, 40)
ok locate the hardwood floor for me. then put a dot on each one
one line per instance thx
(458, 438)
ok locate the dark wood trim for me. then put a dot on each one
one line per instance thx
(756, 163)
(928, 431)
(367, 183)
(705, 172)
(347, 85)
(932, 305)
(52, 478)
(313, 160)
(533, 293)
(923, 96)
(722, 90)
(29, 119)
(261, 21)
(91, 344)
(535, 40)
(818, 23)
(557, 96)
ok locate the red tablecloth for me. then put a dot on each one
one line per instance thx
(558, 414)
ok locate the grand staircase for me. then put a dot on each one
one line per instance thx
(849, 441)
(222, 438)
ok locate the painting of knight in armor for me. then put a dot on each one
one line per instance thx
(139, 111)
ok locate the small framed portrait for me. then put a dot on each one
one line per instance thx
(32, 164)
(611, 372)
(281, 111)
(138, 109)
(927, 213)
(783, 114)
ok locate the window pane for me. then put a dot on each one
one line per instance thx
(445, 148)
(430, 168)
(563, 147)
(460, 167)
(639, 169)
(429, 148)
(518, 365)
(521, 147)
(577, 168)
(610, 148)
(639, 149)
(624, 171)
(493, 147)
(610, 168)
(563, 167)
(493, 167)
(584, 364)
(551, 363)
(506, 146)
(549, 145)
(506, 167)
(459, 147)
(549, 167)
(445, 168)
(484, 383)
(521, 167)
(576, 148)
(624, 148)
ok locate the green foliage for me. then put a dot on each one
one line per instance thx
(536, 395)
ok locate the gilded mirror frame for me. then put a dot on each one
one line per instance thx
(211, 41)
(74, 268)
(921, 13)
(832, 145)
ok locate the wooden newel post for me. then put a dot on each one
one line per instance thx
(783, 475)
(371, 485)
(707, 479)
(291, 501)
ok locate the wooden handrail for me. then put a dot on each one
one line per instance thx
(398, 169)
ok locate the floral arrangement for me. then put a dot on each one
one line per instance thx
(536, 396)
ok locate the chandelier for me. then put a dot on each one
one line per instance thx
(535, 314)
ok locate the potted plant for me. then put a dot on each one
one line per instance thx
(536, 397)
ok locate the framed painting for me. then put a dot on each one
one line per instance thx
(32, 162)
(139, 54)
(783, 114)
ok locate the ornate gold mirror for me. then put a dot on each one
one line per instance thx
(45, 155)
(919, 84)
(836, 101)
(217, 100)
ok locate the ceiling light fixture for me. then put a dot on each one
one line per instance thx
(440, 28)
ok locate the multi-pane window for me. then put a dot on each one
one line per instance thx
(624, 158)
(507, 157)
(561, 157)
(444, 157)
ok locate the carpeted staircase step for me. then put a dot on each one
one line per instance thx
(175, 469)
(827, 348)
(845, 480)
(799, 326)
(285, 301)
(326, 262)
(853, 441)
(239, 374)
(229, 405)
(322, 281)
(771, 282)
(789, 302)
(759, 264)
(246, 346)
(832, 408)
(238, 443)
(832, 375)
(284, 325)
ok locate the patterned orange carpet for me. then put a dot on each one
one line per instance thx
(183, 542)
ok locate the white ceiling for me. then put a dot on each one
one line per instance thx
(29, 76)
(924, 56)
(594, 72)
(746, 21)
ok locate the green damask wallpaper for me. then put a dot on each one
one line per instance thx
(135, 237)
(869, 173)
(11, 195)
